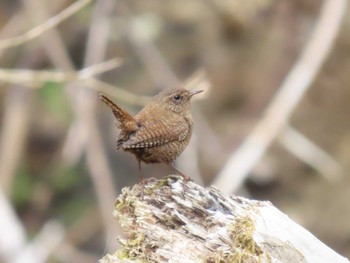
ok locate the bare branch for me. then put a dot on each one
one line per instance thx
(38, 30)
(118, 93)
(37, 77)
(51, 42)
(310, 153)
(285, 100)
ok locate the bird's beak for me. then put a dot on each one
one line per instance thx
(194, 92)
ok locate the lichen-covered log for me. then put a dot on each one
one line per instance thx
(182, 222)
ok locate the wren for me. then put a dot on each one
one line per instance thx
(160, 131)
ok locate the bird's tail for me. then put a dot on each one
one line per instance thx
(126, 121)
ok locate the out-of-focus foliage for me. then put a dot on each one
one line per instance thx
(55, 101)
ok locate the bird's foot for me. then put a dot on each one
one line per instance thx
(185, 177)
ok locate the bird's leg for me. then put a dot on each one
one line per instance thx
(141, 178)
(186, 178)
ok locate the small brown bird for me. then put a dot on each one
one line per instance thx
(160, 131)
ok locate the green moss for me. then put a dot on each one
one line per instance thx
(124, 208)
(132, 249)
(124, 212)
(242, 232)
(157, 185)
(121, 202)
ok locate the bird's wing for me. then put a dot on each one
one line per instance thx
(157, 133)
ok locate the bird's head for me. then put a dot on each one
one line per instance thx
(176, 99)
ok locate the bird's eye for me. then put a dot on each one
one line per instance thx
(177, 97)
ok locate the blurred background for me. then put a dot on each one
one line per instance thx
(59, 171)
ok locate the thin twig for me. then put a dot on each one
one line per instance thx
(310, 153)
(35, 78)
(51, 40)
(18, 21)
(38, 30)
(118, 93)
(286, 99)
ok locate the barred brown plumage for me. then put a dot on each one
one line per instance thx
(160, 131)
